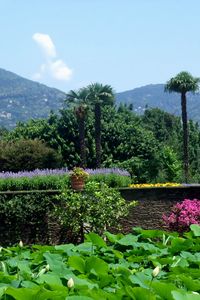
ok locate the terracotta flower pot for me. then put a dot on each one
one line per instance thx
(77, 183)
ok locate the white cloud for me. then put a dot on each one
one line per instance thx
(54, 67)
(60, 71)
(46, 43)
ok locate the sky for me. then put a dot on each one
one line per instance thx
(68, 44)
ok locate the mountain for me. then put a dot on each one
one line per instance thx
(153, 95)
(22, 99)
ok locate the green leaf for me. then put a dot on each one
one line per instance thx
(141, 279)
(65, 248)
(2, 290)
(29, 284)
(96, 264)
(180, 244)
(164, 290)
(82, 283)
(22, 293)
(150, 233)
(56, 263)
(77, 263)
(113, 238)
(50, 279)
(86, 248)
(143, 294)
(79, 298)
(128, 240)
(184, 296)
(96, 240)
(195, 229)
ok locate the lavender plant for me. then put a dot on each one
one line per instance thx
(58, 178)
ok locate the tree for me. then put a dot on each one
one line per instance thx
(27, 155)
(182, 83)
(79, 101)
(99, 95)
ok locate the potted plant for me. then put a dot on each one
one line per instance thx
(78, 177)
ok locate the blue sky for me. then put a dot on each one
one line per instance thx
(68, 44)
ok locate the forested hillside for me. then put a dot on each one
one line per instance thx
(154, 96)
(22, 99)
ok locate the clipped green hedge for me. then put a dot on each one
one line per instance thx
(48, 182)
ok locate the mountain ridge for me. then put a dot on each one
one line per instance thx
(22, 99)
(154, 96)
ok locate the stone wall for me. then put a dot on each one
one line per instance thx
(153, 202)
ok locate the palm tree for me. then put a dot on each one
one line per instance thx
(182, 83)
(78, 100)
(99, 95)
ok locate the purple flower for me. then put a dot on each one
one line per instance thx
(62, 171)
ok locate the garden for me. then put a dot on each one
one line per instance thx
(47, 254)
(125, 227)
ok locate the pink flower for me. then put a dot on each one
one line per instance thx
(182, 215)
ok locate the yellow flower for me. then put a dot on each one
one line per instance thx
(149, 185)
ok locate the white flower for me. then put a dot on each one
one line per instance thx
(42, 271)
(47, 267)
(70, 283)
(156, 271)
(21, 244)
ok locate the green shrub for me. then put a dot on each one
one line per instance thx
(48, 182)
(112, 180)
(96, 208)
(27, 155)
(25, 217)
(43, 217)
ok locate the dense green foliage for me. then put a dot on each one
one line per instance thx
(147, 265)
(25, 216)
(183, 83)
(98, 207)
(27, 155)
(47, 217)
(150, 146)
(47, 182)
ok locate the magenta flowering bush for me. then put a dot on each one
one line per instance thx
(182, 215)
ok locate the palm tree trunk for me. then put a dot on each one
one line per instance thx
(185, 135)
(97, 112)
(81, 128)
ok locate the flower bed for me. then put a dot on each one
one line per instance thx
(59, 178)
(156, 185)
